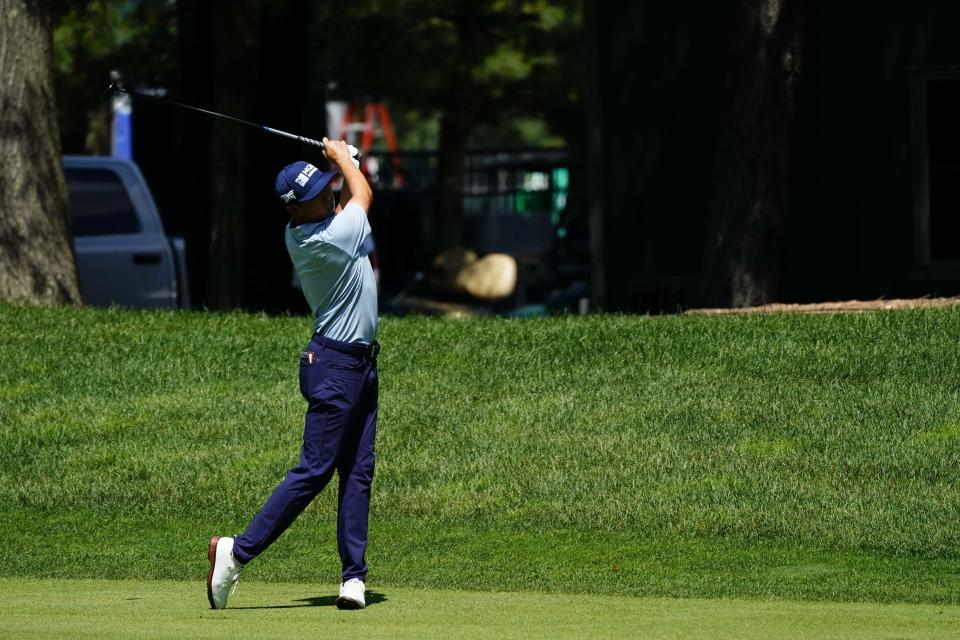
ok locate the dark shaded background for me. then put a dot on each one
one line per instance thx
(712, 162)
(855, 220)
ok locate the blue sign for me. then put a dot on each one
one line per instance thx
(122, 138)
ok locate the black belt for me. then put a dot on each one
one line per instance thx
(352, 348)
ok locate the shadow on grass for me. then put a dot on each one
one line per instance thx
(372, 598)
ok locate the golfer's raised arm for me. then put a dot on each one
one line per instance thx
(355, 185)
(345, 195)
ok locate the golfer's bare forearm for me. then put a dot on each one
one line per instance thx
(345, 196)
(355, 185)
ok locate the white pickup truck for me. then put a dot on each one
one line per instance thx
(124, 257)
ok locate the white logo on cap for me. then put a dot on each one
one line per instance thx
(305, 173)
(288, 196)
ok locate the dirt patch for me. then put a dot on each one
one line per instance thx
(842, 306)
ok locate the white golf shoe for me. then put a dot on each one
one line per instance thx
(224, 572)
(351, 594)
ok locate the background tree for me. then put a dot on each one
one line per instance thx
(230, 75)
(247, 59)
(480, 64)
(693, 135)
(91, 39)
(761, 64)
(481, 72)
(36, 252)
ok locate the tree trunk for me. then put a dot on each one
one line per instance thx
(455, 126)
(464, 101)
(755, 143)
(231, 29)
(195, 52)
(36, 250)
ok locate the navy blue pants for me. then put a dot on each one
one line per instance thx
(339, 432)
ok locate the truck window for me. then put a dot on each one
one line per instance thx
(99, 204)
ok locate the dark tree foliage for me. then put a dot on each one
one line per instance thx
(477, 63)
(93, 38)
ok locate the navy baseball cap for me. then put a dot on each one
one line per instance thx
(301, 181)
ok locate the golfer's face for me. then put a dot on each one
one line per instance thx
(321, 205)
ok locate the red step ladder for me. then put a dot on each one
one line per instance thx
(374, 113)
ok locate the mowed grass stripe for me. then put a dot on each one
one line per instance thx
(834, 435)
(413, 553)
(163, 609)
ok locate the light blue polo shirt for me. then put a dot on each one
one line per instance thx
(331, 259)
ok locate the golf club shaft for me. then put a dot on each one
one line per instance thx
(292, 136)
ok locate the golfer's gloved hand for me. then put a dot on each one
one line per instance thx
(338, 151)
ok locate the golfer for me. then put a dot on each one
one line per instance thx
(328, 244)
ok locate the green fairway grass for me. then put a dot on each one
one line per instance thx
(164, 609)
(804, 457)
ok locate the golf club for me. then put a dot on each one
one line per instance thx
(116, 87)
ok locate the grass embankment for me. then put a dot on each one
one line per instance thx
(813, 457)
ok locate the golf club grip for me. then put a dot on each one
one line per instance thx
(304, 140)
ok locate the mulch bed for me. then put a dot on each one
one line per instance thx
(842, 306)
